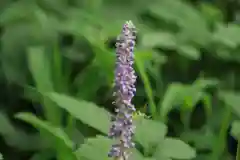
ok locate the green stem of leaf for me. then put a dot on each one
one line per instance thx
(238, 151)
(147, 86)
(220, 141)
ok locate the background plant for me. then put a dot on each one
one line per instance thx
(57, 63)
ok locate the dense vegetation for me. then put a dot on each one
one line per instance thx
(57, 68)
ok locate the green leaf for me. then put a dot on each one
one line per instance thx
(172, 97)
(203, 139)
(98, 148)
(211, 12)
(175, 148)
(40, 68)
(43, 125)
(189, 52)
(88, 82)
(45, 154)
(158, 39)
(87, 112)
(17, 138)
(140, 58)
(60, 80)
(235, 130)
(149, 133)
(186, 19)
(6, 127)
(13, 57)
(231, 99)
(227, 35)
(195, 92)
(189, 95)
(25, 142)
(10, 13)
(105, 61)
(61, 141)
(98, 118)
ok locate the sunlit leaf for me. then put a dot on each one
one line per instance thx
(54, 131)
(175, 148)
(227, 35)
(89, 113)
(60, 139)
(149, 133)
(100, 146)
(159, 39)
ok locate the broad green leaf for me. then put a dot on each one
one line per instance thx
(231, 99)
(98, 118)
(98, 148)
(227, 35)
(87, 112)
(62, 143)
(149, 132)
(159, 157)
(46, 126)
(176, 149)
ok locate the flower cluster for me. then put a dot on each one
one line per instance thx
(122, 128)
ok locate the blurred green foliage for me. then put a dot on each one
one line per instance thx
(57, 67)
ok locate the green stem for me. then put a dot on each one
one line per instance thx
(147, 86)
(70, 125)
(238, 151)
(220, 141)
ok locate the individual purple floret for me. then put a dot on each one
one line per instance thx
(122, 128)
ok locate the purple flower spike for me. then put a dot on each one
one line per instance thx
(122, 128)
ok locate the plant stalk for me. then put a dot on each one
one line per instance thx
(238, 151)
